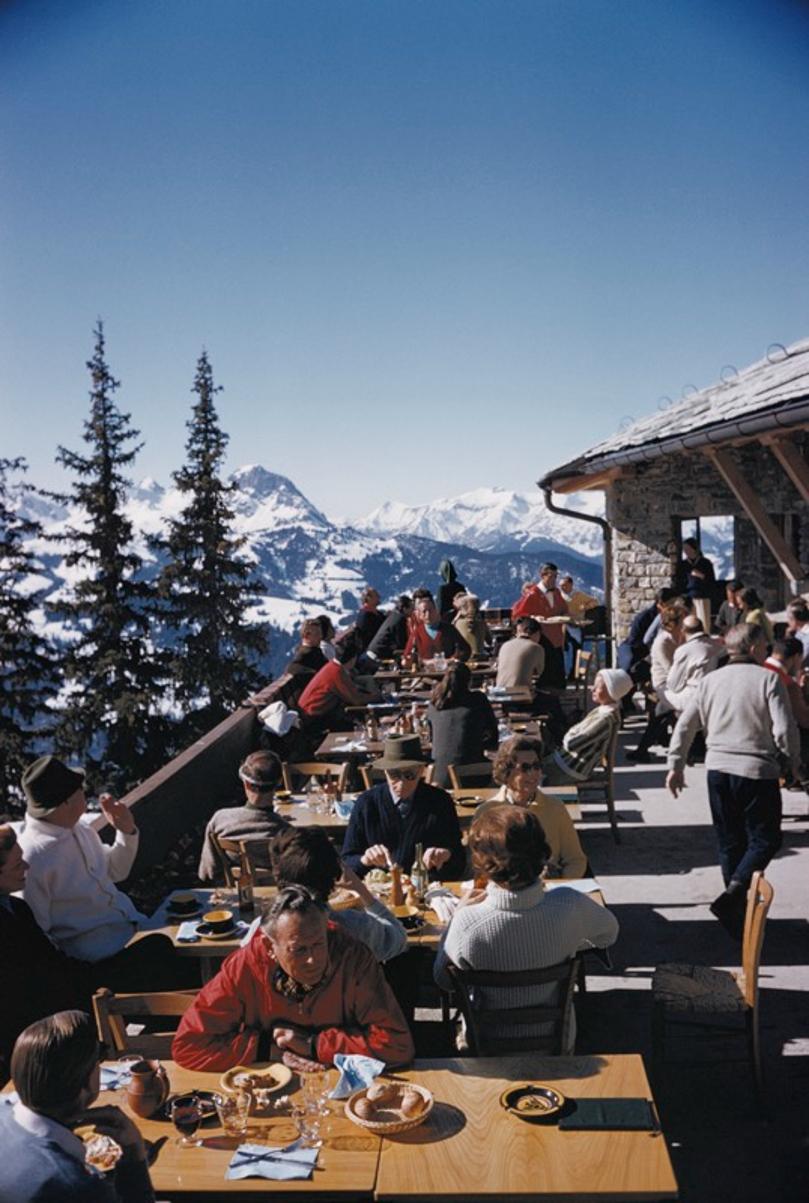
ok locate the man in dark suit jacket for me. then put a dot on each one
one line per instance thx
(391, 818)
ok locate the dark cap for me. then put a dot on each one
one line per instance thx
(47, 783)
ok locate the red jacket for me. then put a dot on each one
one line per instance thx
(539, 605)
(353, 1010)
(328, 687)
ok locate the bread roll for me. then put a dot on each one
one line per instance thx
(382, 1092)
(412, 1104)
(364, 1108)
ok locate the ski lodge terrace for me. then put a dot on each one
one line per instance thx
(739, 450)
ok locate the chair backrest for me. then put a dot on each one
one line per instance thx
(461, 775)
(371, 776)
(759, 901)
(583, 673)
(229, 852)
(485, 1024)
(114, 1011)
(315, 768)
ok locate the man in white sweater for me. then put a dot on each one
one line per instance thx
(749, 730)
(70, 884)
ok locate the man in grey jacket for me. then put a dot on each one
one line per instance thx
(697, 656)
(749, 730)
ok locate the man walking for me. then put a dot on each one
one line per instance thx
(746, 717)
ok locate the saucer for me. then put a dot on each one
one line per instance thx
(470, 801)
(185, 912)
(204, 930)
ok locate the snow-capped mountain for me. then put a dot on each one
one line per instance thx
(309, 565)
(494, 519)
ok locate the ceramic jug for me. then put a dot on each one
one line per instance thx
(148, 1088)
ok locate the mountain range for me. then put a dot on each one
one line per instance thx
(310, 565)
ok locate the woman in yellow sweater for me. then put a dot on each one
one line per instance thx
(518, 772)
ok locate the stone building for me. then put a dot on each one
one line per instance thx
(739, 449)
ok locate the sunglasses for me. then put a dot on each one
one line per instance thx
(403, 774)
(529, 766)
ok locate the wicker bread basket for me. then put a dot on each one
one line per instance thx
(390, 1127)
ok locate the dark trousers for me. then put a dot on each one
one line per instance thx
(553, 675)
(747, 816)
(150, 963)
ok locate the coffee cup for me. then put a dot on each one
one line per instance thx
(218, 921)
(183, 901)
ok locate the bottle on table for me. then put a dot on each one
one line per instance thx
(396, 890)
(414, 658)
(246, 896)
(419, 876)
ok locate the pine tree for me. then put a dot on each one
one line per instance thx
(110, 712)
(206, 584)
(26, 668)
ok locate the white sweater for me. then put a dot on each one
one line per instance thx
(532, 928)
(70, 887)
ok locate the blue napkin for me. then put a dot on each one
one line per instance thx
(187, 932)
(115, 1076)
(356, 1071)
(258, 1161)
(343, 809)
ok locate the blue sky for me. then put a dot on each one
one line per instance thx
(428, 244)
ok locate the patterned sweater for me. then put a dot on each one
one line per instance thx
(585, 743)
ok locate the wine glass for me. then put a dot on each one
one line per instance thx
(186, 1115)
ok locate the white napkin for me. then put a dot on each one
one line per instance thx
(351, 745)
(248, 935)
(356, 1071)
(259, 1161)
(115, 1076)
(442, 901)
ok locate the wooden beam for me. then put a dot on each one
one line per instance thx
(749, 500)
(577, 484)
(793, 463)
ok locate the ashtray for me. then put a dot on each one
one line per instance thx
(532, 1101)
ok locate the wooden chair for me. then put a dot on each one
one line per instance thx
(690, 993)
(371, 776)
(600, 787)
(315, 768)
(482, 1023)
(114, 1011)
(230, 851)
(461, 775)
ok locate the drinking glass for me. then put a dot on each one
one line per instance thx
(308, 1120)
(315, 1085)
(233, 1111)
(186, 1115)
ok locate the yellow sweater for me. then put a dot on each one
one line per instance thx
(567, 858)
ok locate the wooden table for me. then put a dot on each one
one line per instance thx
(346, 1168)
(300, 814)
(471, 1149)
(564, 793)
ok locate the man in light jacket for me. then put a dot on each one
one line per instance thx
(749, 730)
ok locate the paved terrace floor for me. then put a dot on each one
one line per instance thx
(659, 882)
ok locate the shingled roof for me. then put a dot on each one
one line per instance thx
(769, 395)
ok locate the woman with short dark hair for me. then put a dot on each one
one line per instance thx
(462, 722)
(56, 1074)
(515, 923)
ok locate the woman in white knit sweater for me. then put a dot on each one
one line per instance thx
(515, 923)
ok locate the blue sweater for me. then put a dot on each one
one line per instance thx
(36, 1170)
(432, 821)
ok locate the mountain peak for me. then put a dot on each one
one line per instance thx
(266, 500)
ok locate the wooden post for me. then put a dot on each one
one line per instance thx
(749, 500)
(793, 463)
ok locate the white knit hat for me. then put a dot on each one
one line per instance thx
(617, 681)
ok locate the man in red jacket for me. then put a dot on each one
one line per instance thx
(545, 603)
(301, 991)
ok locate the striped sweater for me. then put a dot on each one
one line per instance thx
(523, 929)
(583, 746)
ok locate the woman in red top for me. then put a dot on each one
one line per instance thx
(333, 687)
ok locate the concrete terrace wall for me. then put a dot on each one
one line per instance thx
(187, 790)
(643, 510)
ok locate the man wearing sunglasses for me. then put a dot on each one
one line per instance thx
(389, 819)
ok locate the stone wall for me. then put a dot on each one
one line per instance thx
(644, 509)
